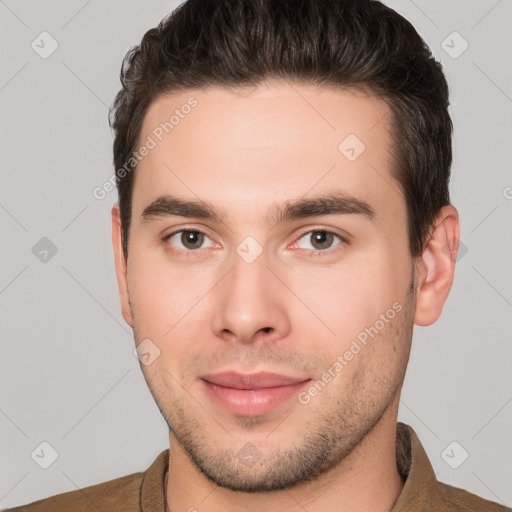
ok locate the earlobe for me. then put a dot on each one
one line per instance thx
(436, 267)
(121, 265)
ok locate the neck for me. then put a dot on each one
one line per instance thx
(367, 479)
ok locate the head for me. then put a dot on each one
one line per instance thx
(290, 213)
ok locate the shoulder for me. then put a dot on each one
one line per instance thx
(120, 494)
(422, 491)
(461, 500)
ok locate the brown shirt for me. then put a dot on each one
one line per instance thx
(144, 491)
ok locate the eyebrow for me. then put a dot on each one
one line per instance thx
(337, 203)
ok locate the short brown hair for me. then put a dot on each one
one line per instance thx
(341, 43)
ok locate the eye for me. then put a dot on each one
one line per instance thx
(320, 240)
(188, 239)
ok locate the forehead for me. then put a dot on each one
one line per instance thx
(251, 115)
(276, 141)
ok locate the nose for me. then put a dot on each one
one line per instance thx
(251, 304)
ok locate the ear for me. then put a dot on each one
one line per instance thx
(121, 265)
(436, 267)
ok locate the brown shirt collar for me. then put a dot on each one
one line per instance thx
(421, 492)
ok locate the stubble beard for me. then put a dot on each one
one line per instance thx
(323, 440)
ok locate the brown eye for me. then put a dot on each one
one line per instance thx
(320, 240)
(192, 239)
(188, 240)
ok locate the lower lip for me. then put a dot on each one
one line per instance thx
(252, 402)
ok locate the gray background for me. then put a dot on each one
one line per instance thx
(68, 373)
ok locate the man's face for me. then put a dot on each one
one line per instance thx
(254, 293)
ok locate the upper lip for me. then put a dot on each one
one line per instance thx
(258, 380)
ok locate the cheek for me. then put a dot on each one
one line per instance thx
(350, 295)
(362, 301)
(163, 293)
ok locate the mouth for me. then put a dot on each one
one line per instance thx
(251, 394)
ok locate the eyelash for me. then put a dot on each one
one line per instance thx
(331, 250)
(315, 253)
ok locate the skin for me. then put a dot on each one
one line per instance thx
(289, 311)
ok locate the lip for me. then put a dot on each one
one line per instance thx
(251, 394)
